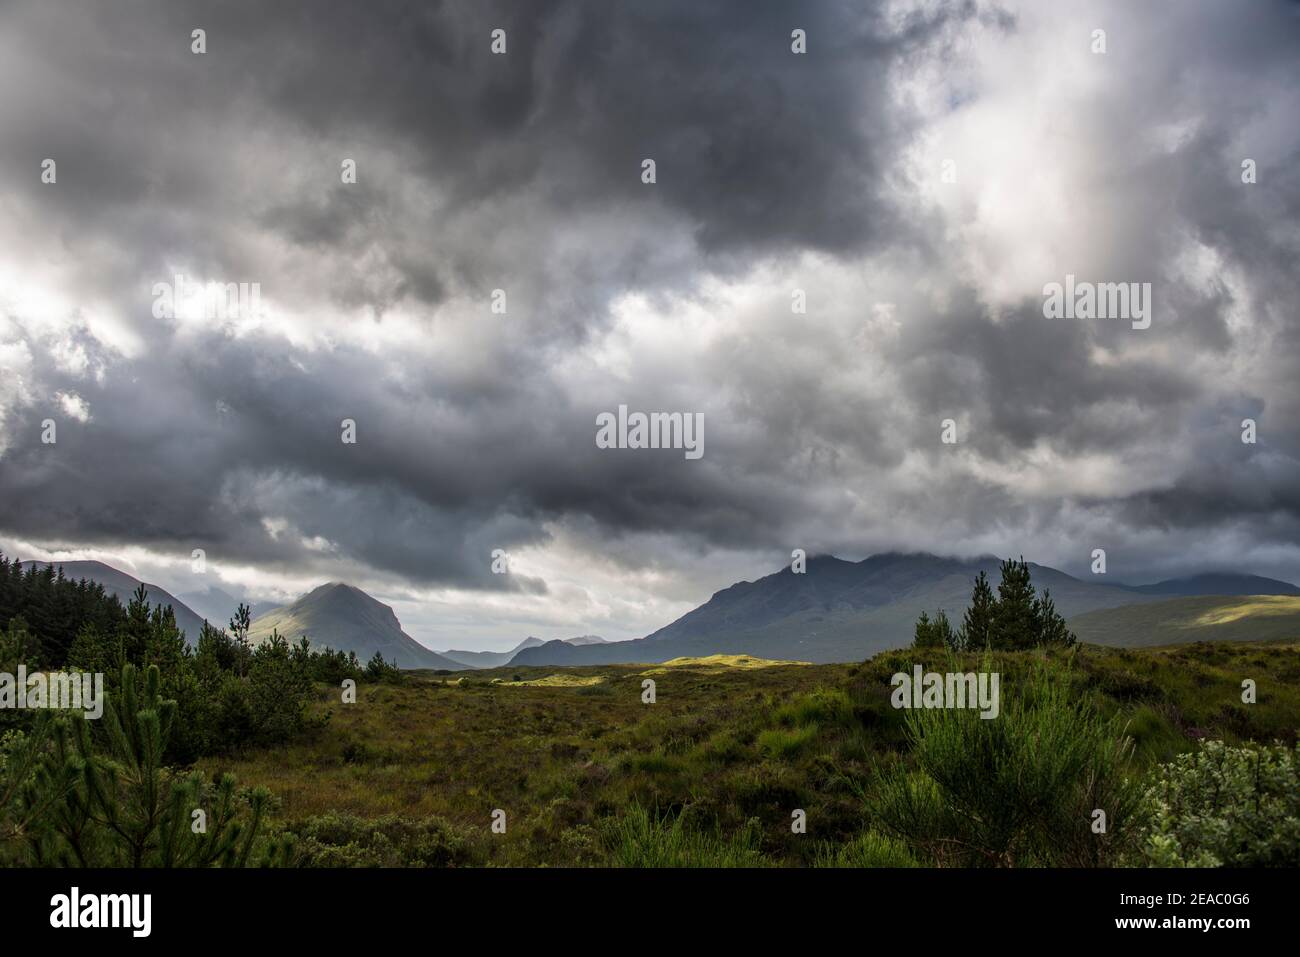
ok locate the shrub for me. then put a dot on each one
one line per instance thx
(766, 788)
(1223, 806)
(642, 839)
(1154, 735)
(1019, 789)
(783, 743)
(868, 849)
(824, 706)
(344, 840)
(722, 748)
(656, 762)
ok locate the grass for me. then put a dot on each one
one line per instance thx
(786, 743)
(868, 849)
(555, 681)
(1195, 618)
(639, 838)
(589, 775)
(727, 661)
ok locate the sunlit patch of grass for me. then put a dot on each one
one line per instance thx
(721, 661)
(554, 681)
(1253, 605)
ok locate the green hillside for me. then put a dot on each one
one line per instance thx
(345, 618)
(1200, 618)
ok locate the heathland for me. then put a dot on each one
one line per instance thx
(229, 752)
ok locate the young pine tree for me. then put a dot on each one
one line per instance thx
(135, 633)
(239, 628)
(976, 632)
(947, 636)
(1015, 618)
(118, 805)
(927, 633)
(95, 650)
(18, 646)
(1052, 629)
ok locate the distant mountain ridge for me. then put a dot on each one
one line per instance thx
(1219, 583)
(489, 659)
(123, 585)
(497, 659)
(219, 606)
(345, 618)
(839, 610)
(586, 640)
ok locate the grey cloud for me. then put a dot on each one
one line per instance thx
(522, 171)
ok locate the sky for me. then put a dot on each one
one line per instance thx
(500, 273)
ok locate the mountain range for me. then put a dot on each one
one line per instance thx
(839, 610)
(836, 610)
(495, 659)
(1220, 583)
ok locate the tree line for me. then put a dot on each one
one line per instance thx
(53, 607)
(230, 692)
(1015, 619)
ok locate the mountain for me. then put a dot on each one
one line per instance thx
(587, 640)
(219, 606)
(1219, 583)
(558, 652)
(490, 659)
(1192, 618)
(845, 611)
(347, 619)
(496, 659)
(122, 585)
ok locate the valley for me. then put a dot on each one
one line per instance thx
(587, 774)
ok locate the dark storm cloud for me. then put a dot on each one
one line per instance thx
(428, 491)
(522, 171)
(757, 149)
(159, 151)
